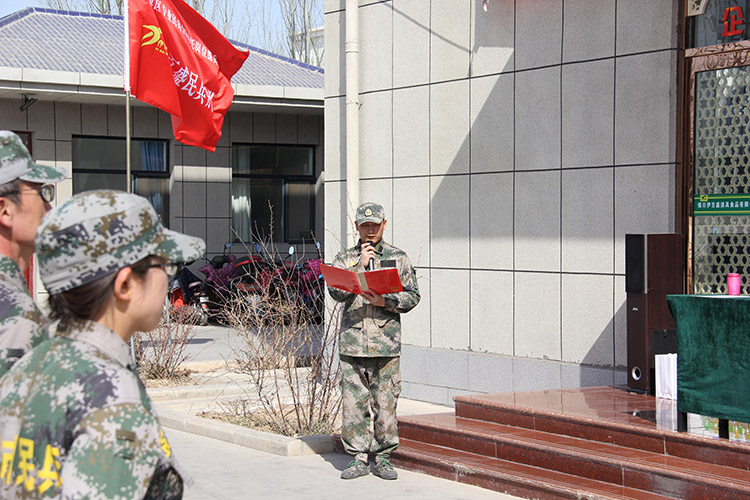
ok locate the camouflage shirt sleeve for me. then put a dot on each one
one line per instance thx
(22, 324)
(114, 454)
(407, 299)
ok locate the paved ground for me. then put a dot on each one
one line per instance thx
(228, 471)
(223, 470)
(211, 344)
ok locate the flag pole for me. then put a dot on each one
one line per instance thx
(126, 85)
(128, 187)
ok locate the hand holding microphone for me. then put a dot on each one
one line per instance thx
(367, 256)
(368, 261)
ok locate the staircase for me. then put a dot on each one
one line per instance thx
(592, 443)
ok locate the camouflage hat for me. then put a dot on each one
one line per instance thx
(16, 163)
(370, 212)
(95, 233)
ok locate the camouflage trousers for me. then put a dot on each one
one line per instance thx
(370, 389)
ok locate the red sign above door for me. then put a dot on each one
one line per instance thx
(732, 19)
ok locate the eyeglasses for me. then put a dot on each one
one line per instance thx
(169, 267)
(46, 191)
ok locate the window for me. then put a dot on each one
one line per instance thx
(723, 21)
(26, 139)
(273, 191)
(100, 163)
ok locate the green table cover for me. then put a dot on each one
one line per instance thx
(713, 355)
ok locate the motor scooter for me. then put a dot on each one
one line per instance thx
(269, 282)
(218, 282)
(311, 287)
(184, 291)
(250, 271)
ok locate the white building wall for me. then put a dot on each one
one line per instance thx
(512, 149)
(200, 181)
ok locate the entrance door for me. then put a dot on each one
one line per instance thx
(720, 169)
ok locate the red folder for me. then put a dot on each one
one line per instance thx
(380, 282)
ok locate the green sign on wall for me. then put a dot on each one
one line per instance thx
(721, 204)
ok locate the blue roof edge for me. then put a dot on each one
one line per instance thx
(30, 10)
(277, 56)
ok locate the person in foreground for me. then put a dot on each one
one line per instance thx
(26, 191)
(75, 419)
(370, 348)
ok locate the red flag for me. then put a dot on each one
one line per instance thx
(181, 64)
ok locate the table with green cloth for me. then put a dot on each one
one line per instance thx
(713, 355)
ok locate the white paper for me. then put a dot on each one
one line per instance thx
(666, 376)
(666, 414)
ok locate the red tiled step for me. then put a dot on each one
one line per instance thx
(619, 465)
(508, 477)
(604, 414)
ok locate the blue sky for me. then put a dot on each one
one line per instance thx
(256, 38)
(11, 6)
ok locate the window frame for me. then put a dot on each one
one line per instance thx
(285, 179)
(698, 60)
(134, 174)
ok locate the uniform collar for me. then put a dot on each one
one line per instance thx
(11, 270)
(100, 337)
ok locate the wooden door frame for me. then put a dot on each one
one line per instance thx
(695, 61)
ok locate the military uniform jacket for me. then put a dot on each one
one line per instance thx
(76, 422)
(22, 324)
(367, 330)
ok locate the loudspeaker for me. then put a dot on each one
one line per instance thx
(663, 341)
(654, 267)
(635, 263)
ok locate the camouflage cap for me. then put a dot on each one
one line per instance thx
(370, 212)
(16, 163)
(96, 233)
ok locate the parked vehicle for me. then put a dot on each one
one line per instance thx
(218, 282)
(275, 284)
(184, 291)
(301, 283)
(312, 286)
(251, 272)
(282, 284)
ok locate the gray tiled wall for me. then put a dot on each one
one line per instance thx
(438, 375)
(411, 139)
(200, 196)
(523, 144)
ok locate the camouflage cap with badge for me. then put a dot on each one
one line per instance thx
(370, 212)
(16, 163)
(95, 233)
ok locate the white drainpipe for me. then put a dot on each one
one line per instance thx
(352, 115)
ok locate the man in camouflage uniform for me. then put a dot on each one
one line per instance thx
(75, 419)
(370, 346)
(25, 197)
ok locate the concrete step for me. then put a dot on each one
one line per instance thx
(604, 414)
(507, 477)
(673, 477)
(580, 443)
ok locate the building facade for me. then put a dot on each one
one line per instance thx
(513, 149)
(66, 99)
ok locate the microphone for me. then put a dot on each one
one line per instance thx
(371, 264)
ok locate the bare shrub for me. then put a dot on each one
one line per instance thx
(288, 353)
(160, 353)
